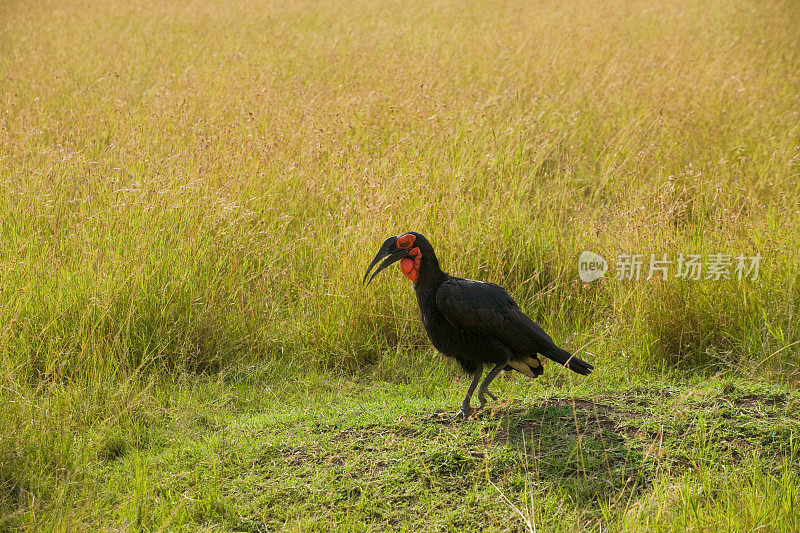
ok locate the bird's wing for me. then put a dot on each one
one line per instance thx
(475, 307)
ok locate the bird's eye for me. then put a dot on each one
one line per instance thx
(405, 241)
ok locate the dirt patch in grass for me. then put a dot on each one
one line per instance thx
(754, 400)
(582, 418)
(292, 455)
(514, 418)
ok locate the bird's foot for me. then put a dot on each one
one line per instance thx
(481, 396)
(465, 412)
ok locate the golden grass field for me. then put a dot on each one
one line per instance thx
(191, 192)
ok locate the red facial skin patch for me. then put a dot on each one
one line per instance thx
(409, 266)
(406, 241)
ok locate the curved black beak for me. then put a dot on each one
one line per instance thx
(391, 252)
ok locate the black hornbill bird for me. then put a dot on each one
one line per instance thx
(474, 322)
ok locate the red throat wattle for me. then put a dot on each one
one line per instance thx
(409, 266)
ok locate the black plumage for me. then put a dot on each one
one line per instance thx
(474, 322)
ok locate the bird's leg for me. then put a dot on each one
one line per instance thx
(466, 409)
(484, 388)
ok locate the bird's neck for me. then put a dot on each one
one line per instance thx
(430, 277)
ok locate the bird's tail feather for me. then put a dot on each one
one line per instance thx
(576, 364)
